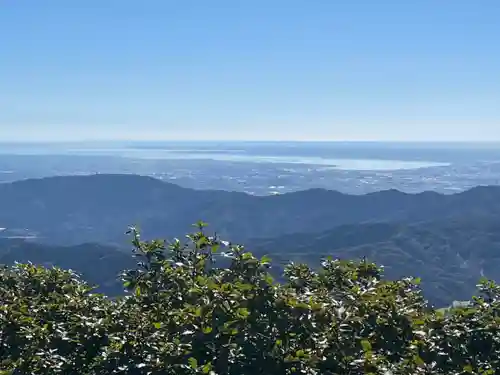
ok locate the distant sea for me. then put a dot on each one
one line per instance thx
(337, 155)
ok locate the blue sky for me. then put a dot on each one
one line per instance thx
(260, 69)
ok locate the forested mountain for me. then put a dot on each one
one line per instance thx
(450, 256)
(183, 314)
(99, 208)
(80, 223)
(97, 264)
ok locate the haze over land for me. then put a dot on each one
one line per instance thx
(263, 168)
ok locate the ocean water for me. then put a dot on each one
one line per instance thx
(341, 155)
(337, 155)
(268, 167)
(242, 156)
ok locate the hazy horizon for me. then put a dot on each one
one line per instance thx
(246, 141)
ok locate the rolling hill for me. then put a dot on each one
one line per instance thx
(98, 208)
(79, 223)
(449, 256)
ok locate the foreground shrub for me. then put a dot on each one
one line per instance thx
(208, 307)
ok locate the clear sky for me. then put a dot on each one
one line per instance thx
(250, 69)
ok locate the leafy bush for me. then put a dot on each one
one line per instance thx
(208, 307)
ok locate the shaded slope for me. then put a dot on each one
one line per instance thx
(450, 256)
(99, 208)
(98, 264)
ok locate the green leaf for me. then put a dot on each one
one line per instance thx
(243, 312)
(193, 362)
(247, 256)
(157, 325)
(468, 369)
(366, 345)
(418, 361)
(269, 279)
(201, 242)
(265, 259)
(200, 224)
(207, 367)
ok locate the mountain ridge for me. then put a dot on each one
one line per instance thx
(98, 208)
(440, 237)
(126, 177)
(449, 256)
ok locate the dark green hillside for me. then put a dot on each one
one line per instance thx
(184, 315)
(78, 209)
(449, 255)
(449, 240)
(98, 264)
